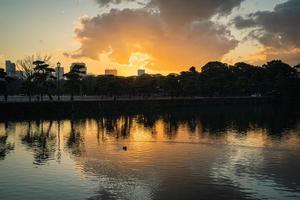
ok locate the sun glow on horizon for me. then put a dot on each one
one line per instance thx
(151, 34)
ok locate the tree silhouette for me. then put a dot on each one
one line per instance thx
(297, 67)
(27, 67)
(216, 79)
(193, 70)
(189, 82)
(247, 79)
(43, 78)
(171, 85)
(74, 78)
(279, 76)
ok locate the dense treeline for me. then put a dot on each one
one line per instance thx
(215, 79)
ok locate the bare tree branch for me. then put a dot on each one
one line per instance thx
(26, 64)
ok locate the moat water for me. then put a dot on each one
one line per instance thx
(212, 153)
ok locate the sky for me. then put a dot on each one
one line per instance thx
(162, 36)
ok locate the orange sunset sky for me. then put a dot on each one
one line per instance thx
(162, 36)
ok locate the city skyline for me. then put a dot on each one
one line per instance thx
(230, 31)
(12, 70)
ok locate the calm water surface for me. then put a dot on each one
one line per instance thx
(217, 153)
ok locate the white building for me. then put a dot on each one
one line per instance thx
(111, 72)
(10, 68)
(141, 72)
(59, 72)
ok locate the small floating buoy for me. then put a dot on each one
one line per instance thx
(125, 148)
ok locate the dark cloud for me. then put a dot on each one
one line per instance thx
(187, 11)
(242, 23)
(106, 2)
(183, 11)
(112, 2)
(175, 33)
(191, 9)
(278, 28)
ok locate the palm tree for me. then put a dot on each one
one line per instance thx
(74, 78)
(43, 77)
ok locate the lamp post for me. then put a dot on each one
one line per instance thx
(58, 80)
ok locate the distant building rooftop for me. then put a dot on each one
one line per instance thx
(112, 72)
(141, 72)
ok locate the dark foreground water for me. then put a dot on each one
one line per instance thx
(211, 153)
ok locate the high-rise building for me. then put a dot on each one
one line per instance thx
(10, 68)
(59, 72)
(19, 74)
(111, 72)
(141, 72)
(83, 69)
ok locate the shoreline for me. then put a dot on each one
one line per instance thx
(63, 99)
(119, 105)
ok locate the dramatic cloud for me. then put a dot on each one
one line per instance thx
(187, 11)
(107, 2)
(114, 2)
(174, 33)
(182, 12)
(278, 30)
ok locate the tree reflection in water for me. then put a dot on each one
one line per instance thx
(171, 125)
(216, 122)
(95, 145)
(75, 140)
(58, 153)
(100, 129)
(148, 122)
(115, 126)
(5, 146)
(42, 142)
